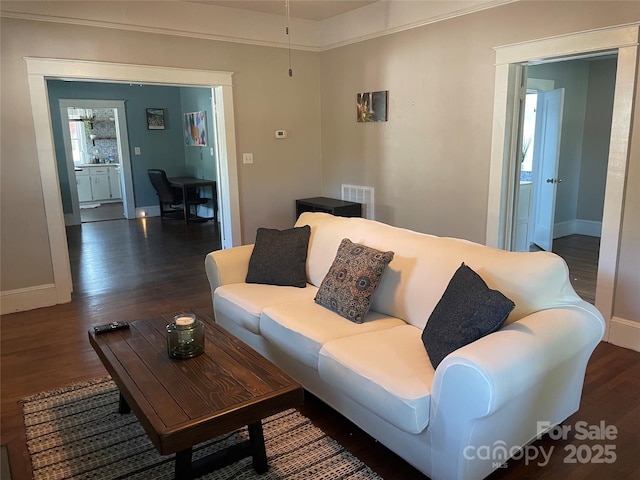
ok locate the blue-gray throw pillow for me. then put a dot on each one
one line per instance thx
(352, 279)
(279, 257)
(467, 311)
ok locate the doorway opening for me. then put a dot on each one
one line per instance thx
(95, 159)
(39, 70)
(565, 129)
(511, 64)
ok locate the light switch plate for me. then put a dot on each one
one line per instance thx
(247, 158)
(136, 150)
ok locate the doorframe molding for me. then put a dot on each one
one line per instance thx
(41, 69)
(509, 62)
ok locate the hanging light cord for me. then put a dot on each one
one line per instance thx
(288, 37)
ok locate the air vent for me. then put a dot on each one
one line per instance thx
(360, 194)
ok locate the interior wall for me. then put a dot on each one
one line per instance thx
(265, 99)
(200, 162)
(430, 162)
(597, 133)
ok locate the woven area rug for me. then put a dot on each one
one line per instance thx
(77, 433)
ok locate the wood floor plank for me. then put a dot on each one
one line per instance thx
(133, 269)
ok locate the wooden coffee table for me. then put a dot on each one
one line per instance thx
(181, 403)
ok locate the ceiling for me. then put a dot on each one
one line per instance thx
(306, 9)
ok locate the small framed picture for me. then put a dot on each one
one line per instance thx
(372, 106)
(155, 119)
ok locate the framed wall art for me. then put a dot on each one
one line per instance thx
(372, 106)
(155, 119)
(195, 129)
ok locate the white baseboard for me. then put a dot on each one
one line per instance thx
(577, 227)
(624, 333)
(23, 299)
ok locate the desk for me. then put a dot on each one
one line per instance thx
(185, 183)
(340, 208)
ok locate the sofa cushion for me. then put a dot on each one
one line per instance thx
(279, 257)
(300, 329)
(352, 280)
(387, 372)
(467, 311)
(244, 302)
(423, 264)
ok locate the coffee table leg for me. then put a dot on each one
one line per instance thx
(257, 444)
(183, 465)
(123, 406)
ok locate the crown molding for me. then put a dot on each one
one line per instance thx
(393, 16)
(212, 22)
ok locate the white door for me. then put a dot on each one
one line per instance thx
(546, 153)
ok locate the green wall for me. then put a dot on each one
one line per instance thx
(199, 161)
(159, 148)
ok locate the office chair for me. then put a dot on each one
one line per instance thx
(171, 197)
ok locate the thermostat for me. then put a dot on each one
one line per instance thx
(281, 134)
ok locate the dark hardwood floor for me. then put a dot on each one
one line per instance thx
(131, 269)
(581, 252)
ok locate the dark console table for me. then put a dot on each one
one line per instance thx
(340, 208)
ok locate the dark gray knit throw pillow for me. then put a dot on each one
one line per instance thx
(352, 279)
(467, 311)
(279, 257)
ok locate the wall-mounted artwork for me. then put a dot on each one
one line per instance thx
(155, 118)
(195, 129)
(372, 106)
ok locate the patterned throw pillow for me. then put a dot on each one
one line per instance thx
(279, 257)
(467, 311)
(352, 279)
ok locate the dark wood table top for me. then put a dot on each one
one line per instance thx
(191, 182)
(181, 403)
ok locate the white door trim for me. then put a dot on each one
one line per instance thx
(509, 59)
(41, 69)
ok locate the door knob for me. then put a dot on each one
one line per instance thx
(553, 180)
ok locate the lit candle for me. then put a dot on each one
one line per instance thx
(185, 321)
(185, 336)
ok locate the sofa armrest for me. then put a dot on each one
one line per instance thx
(517, 356)
(227, 266)
(496, 390)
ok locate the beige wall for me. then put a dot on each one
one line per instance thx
(265, 99)
(430, 162)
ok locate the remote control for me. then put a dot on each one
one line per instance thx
(110, 327)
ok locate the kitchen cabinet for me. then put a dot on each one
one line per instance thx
(98, 183)
(84, 186)
(114, 183)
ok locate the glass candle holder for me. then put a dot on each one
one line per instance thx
(185, 336)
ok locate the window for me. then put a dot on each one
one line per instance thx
(78, 141)
(528, 133)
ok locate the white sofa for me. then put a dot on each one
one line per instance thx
(490, 393)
